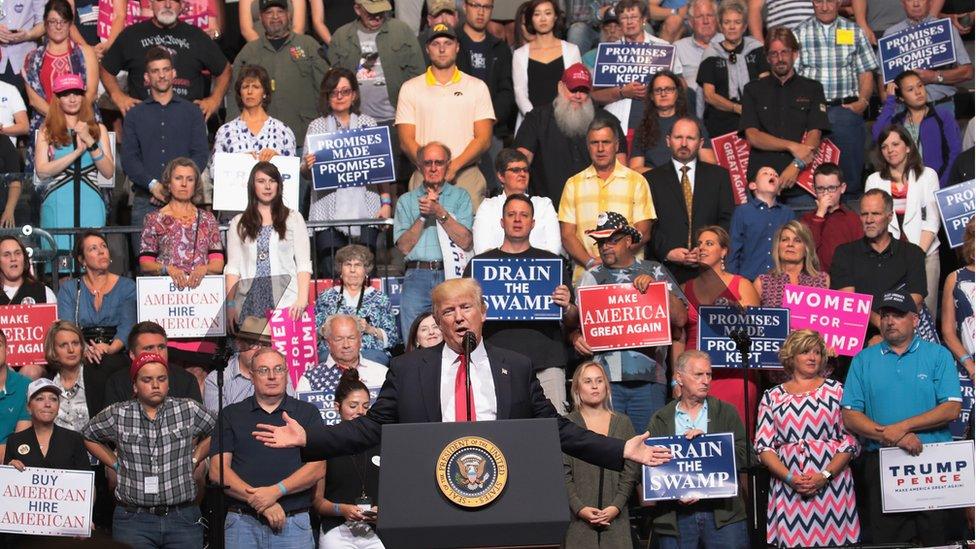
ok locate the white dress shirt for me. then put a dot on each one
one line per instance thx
(488, 234)
(691, 171)
(482, 384)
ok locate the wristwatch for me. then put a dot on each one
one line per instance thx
(826, 474)
(939, 77)
(443, 218)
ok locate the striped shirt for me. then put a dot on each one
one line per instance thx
(834, 55)
(787, 13)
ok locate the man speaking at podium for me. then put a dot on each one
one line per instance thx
(429, 385)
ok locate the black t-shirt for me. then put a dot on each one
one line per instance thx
(193, 53)
(714, 71)
(557, 157)
(339, 13)
(347, 477)
(477, 53)
(541, 341)
(901, 266)
(86, 20)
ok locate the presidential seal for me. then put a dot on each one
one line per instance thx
(471, 472)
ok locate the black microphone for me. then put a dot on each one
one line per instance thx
(469, 342)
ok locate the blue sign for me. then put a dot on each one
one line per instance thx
(351, 158)
(766, 327)
(519, 288)
(324, 402)
(619, 63)
(924, 46)
(956, 205)
(700, 468)
(959, 425)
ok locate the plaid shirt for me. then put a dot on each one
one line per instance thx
(162, 448)
(836, 66)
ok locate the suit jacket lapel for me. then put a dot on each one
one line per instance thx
(430, 382)
(503, 384)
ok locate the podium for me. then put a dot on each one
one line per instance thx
(530, 510)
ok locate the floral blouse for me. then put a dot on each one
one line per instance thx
(374, 307)
(182, 244)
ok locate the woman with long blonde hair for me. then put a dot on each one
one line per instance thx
(795, 262)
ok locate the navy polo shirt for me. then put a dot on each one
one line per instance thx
(257, 464)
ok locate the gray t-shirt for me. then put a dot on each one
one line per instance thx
(373, 94)
(883, 14)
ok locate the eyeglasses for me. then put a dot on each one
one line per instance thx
(482, 7)
(57, 23)
(665, 91)
(434, 163)
(264, 371)
(827, 190)
(777, 54)
(340, 94)
(517, 170)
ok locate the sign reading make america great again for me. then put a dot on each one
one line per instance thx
(26, 327)
(700, 468)
(352, 158)
(617, 316)
(519, 289)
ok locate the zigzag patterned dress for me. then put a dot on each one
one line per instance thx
(806, 431)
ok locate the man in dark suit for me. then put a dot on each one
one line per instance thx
(428, 386)
(682, 185)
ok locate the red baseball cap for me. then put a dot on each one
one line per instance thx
(577, 76)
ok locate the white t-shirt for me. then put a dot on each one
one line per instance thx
(10, 102)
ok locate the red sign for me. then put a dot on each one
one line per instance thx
(617, 316)
(732, 153)
(26, 326)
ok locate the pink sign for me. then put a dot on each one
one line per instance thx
(840, 317)
(732, 153)
(295, 339)
(617, 316)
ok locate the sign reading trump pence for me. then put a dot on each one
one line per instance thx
(187, 312)
(617, 316)
(49, 502)
(619, 63)
(231, 172)
(351, 158)
(519, 289)
(924, 46)
(700, 468)
(766, 328)
(840, 317)
(25, 327)
(941, 477)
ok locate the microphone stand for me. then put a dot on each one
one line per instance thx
(220, 357)
(743, 344)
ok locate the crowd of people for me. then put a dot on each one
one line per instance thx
(504, 148)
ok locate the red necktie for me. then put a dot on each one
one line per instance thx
(460, 402)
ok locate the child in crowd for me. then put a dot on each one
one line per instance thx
(753, 226)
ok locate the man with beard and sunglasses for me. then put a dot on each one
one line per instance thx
(192, 51)
(553, 137)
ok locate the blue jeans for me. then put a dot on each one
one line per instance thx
(247, 531)
(583, 35)
(699, 527)
(181, 529)
(638, 400)
(849, 134)
(415, 296)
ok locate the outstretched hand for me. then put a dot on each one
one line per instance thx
(635, 450)
(289, 435)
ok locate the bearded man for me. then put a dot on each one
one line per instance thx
(553, 137)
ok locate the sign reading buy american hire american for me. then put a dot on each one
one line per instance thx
(351, 158)
(519, 289)
(48, 502)
(617, 316)
(700, 468)
(190, 312)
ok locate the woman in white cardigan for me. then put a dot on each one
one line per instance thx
(269, 265)
(912, 186)
(538, 65)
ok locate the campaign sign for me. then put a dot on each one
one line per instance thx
(618, 63)
(617, 316)
(956, 205)
(924, 46)
(519, 289)
(941, 477)
(826, 152)
(295, 339)
(840, 317)
(732, 153)
(700, 468)
(351, 158)
(190, 312)
(231, 171)
(959, 425)
(767, 329)
(324, 402)
(26, 326)
(46, 502)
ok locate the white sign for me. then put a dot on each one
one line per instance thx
(47, 502)
(231, 172)
(941, 477)
(196, 312)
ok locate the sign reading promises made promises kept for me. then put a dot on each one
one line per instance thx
(618, 64)
(923, 46)
(766, 328)
(351, 158)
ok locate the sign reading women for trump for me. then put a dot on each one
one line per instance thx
(351, 158)
(618, 63)
(840, 317)
(956, 204)
(190, 312)
(294, 339)
(941, 477)
(766, 329)
(49, 502)
(519, 289)
(924, 46)
(26, 326)
(700, 468)
(231, 172)
(617, 316)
